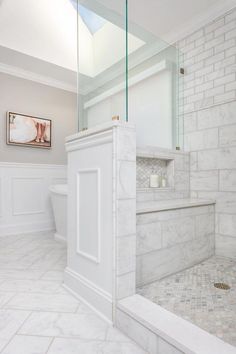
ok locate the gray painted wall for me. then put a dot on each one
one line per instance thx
(27, 97)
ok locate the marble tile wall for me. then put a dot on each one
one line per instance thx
(170, 241)
(209, 108)
(124, 185)
(147, 167)
(148, 340)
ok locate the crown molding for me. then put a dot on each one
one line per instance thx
(31, 76)
(199, 21)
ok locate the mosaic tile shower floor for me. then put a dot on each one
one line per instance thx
(191, 294)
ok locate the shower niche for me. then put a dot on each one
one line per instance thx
(162, 169)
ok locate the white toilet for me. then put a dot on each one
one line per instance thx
(59, 203)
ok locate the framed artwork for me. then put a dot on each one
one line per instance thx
(24, 130)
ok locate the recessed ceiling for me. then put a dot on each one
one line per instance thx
(46, 30)
(91, 19)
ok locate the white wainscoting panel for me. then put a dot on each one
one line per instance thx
(88, 214)
(25, 204)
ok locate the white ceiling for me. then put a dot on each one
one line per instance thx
(45, 30)
(168, 19)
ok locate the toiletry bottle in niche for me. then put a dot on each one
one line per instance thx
(163, 181)
(154, 181)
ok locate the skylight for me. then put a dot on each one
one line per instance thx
(93, 21)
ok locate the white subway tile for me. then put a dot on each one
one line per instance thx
(217, 116)
(225, 45)
(228, 180)
(214, 59)
(225, 246)
(214, 25)
(225, 80)
(206, 102)
(231, 16)
(224, 63)
(195, 67)
(187, 48)
(194, 52)
(190, 122)
(232, 33)
(196, 35)
(193, 161)
(224, 158)
(225, 97)
(227, 135)
(201, 140)
(231, 86)
(215, 75)
(227, 225)
(215, 91)
(200, 88)
(204, 55)
(214, 42)
(206, 70)
(204, 180)
(225, 29)
(194, 98)
(231, 51)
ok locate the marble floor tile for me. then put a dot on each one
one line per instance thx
(27, 345)
(43, 302)
(86, 326)
(31, 286)
(20, 274)
(10, 322)
(53, 275)
(5, 298)
(37, 314)
(73, 346)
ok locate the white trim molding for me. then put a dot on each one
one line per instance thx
(32, 76)
(89, 293)
(32, 213)
(85, 254)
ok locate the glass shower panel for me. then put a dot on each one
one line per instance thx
(155, 83)
(102, 63)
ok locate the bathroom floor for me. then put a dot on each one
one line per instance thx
(191, 294)
(37, 315)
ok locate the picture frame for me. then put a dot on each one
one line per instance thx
(28, 131)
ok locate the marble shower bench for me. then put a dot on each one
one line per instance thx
(173, 235)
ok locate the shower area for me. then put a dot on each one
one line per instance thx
(127, 74)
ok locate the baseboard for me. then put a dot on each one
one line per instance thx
(60, 238)
(7, 230)
(89, 293)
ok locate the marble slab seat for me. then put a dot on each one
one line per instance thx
(173, 235)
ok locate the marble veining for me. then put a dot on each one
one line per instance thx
(37, 315)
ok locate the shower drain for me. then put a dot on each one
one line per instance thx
(222, 286)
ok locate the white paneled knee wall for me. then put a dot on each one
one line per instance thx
(25, 204)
